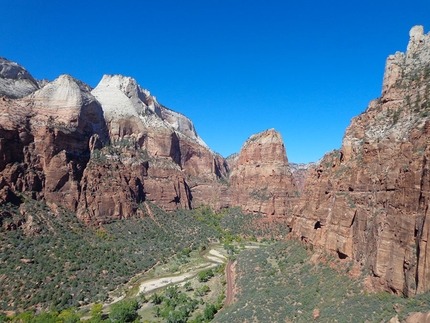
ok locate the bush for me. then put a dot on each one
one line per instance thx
(205, 275)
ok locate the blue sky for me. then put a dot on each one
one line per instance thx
(235, 67)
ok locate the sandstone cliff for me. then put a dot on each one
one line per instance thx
(261, 180)
(179, 170)
(45, 138)
(100, 152)
(300, 173)
(368, 202)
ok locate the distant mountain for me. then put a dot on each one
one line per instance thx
(15, 81)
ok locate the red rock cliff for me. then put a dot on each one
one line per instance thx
(260, 179)
(369, 201)
(101, 152)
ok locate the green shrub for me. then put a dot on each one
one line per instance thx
(124, 311)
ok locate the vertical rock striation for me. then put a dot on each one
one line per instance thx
(368, 202)
(44, 145)
(261, 180)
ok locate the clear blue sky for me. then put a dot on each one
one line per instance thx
(235, 67)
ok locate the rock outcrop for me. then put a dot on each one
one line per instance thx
(15, 81)
(100, 152)
(368, 202)
(180, 170)
(261, 180)
(44, 145)
(300, 173)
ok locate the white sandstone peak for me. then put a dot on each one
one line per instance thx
(416, 33)
(15, 81)
(122, 98)
(418, 46)
(65, 91)
(116, 104)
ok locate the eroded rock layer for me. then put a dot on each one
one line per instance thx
(44, 145)
(261, 180)
(100, 152)
(369, 201)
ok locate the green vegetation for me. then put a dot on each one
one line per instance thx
(233, 225)
(62, 262)
(280, 283)
(205, 275)
(124, 311)
(193, 301)
(56, 260)
(261, 194)
(250, 226)
(57, 264)
(65, 316)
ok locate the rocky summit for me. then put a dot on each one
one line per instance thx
(102, 152)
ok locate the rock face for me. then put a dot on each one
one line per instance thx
(101, 152)
(368, 202)
(261, 179)
(44, 145)
(300, 173)
(15, 81)
(181, 171)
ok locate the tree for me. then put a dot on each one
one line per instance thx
(205, 275)
(209, 312)
(176, 317)
(202, 291)
(156, 299)
(124, 311)
(187, 286)
(96, 310)
(142, 297)
(69, 316)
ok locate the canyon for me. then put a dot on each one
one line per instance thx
(102, 153)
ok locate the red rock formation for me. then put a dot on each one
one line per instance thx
(261, 180)
(300, 172)
(47, 137)
(182, 170)
(368, 202)
(45, 140)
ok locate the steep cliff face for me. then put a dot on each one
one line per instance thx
(45, 137)
(101, 152)
(180, 170)
(368, 202)
(261, 180)
(300, 173)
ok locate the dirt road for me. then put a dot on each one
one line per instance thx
(229, 296)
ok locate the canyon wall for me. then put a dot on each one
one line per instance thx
(368, 202)
(99, 152)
